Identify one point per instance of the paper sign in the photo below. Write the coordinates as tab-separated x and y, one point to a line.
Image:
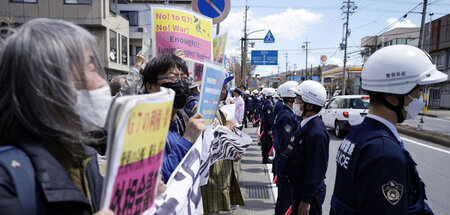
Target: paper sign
219	45
213	77
175	28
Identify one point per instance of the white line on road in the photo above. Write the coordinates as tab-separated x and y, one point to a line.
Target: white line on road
425	145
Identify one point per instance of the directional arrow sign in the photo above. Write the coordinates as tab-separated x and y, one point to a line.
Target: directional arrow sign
269	38
216	9
264	57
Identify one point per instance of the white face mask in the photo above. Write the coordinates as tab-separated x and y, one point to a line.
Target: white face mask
413	108
296	108
92	106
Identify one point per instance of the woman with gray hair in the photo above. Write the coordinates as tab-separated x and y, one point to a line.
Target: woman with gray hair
52	81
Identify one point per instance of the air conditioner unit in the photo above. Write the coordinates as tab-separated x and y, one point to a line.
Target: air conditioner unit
140	29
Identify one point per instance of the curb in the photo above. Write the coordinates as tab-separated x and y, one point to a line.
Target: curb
428	136
427	114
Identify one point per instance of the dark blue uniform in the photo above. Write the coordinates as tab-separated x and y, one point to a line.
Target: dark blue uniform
257	107
286	124
277	107
376	175
267	119
306	163
249	107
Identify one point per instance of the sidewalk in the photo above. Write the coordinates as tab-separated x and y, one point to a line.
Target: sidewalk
254	180
438	113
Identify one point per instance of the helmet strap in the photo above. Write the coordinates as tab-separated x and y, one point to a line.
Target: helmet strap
397	109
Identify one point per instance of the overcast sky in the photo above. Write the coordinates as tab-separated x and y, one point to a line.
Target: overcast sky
293	22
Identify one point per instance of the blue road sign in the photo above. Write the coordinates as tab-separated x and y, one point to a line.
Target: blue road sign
264	57
216	9
269	37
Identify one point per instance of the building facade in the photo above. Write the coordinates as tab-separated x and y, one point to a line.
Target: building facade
100	17
436	42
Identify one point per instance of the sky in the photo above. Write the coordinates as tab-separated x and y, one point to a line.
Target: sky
293	22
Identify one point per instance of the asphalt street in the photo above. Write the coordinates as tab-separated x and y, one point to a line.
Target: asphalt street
433	164
431	124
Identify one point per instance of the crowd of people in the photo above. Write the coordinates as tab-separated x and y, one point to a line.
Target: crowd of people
55	100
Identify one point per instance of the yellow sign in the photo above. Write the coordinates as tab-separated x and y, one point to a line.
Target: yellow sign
146	129
219	45
323	58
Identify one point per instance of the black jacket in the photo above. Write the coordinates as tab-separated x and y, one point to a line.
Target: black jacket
60	194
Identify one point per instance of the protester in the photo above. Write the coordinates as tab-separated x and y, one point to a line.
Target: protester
286	124
222	190
133	81
307	158
194	96
375	173
48	68
240	106
170	71
116	83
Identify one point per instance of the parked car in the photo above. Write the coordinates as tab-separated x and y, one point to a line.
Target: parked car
342	112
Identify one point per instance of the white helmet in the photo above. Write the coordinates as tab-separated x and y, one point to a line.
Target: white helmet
247	92
255	92
269	91
276	95
312	92
398	69
286	90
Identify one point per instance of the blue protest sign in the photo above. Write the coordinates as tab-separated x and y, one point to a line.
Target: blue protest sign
269	37
212	83
218	10
264	57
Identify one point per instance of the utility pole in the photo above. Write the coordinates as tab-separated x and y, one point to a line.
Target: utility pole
244	47
306	59
285	76
348	8
422	24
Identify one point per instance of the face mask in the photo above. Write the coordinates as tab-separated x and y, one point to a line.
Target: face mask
296	108
181	93
92	106
413	108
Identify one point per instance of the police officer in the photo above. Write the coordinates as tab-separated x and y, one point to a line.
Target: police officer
249	107
267	118
307	156
246	113
375	173
278	103
283	131
256	106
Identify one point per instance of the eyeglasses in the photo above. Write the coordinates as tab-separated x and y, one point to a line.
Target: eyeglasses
174	78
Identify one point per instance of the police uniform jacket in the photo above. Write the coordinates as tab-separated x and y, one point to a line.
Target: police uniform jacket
375	174
309	161
249	104
277	107
267	116
257	103
283	130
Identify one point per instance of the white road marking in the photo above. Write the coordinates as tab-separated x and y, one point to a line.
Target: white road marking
425	145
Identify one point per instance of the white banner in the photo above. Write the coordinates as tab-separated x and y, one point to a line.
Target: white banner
183	195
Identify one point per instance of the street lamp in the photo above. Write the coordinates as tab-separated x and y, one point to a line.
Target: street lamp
244	52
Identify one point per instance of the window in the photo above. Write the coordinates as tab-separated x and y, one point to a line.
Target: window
113	46
401	41
331	104
132	16
362	103
23	1
113	6
124	50
77	1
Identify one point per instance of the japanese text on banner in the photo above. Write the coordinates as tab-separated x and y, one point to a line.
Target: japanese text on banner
144	135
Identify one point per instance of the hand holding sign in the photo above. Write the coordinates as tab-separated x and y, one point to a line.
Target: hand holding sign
195	127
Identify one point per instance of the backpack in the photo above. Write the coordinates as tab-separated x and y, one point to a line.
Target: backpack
19	167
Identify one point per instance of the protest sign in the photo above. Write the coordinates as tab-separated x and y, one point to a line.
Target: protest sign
137	130
212	82
175	28
219	45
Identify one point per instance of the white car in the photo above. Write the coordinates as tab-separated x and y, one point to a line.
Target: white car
342	112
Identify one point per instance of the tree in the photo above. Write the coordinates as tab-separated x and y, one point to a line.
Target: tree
236	68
